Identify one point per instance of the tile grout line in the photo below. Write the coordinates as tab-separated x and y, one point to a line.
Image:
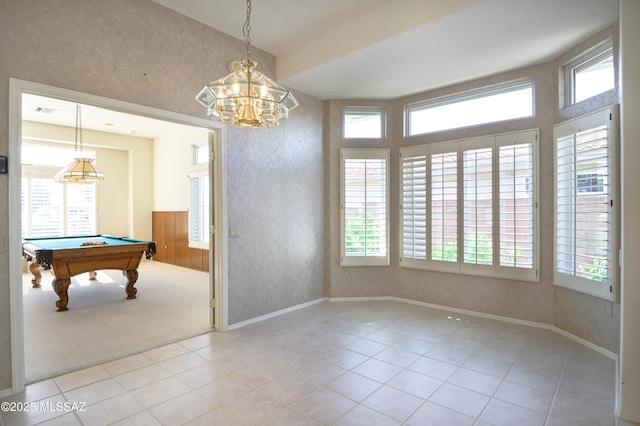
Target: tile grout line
243	344
557	390
513	364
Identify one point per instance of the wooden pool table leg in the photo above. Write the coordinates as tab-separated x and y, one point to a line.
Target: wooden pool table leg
34	268
61	285
132	277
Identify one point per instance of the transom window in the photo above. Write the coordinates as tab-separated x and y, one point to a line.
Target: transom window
363	123
589	75
486	105
470	206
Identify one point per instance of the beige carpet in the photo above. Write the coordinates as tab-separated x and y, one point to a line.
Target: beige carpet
102	325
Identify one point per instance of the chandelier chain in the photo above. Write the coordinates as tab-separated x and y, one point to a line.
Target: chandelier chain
246	29
78	128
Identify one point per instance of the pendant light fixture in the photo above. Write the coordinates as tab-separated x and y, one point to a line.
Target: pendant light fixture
82	169
246	97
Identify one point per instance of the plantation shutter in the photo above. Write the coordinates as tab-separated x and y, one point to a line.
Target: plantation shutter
44	201
51	209
80	209
586	240
365	206
414	207
478	204
24	208
444	208
199	210
516	204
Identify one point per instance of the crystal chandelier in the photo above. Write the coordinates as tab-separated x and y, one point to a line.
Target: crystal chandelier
246	97
82	169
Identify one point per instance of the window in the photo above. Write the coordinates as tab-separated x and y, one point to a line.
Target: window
363	122
469	206
444	206
590	182
199	198
517	204
38	155
478	203
199	210
414	193
364	207
200	154
51	209
590	74
586	209
487	105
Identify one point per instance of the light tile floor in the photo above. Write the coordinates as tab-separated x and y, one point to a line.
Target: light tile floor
341	363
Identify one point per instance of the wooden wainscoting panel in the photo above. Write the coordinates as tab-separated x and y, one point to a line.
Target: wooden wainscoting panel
163	233
171	234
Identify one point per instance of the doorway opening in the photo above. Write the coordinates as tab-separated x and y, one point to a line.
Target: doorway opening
125	156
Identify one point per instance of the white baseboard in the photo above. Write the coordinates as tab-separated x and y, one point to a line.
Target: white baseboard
273	314
627	418
553	328
581	341
5	392
550	327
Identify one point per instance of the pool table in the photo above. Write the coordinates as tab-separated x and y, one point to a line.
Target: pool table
69	256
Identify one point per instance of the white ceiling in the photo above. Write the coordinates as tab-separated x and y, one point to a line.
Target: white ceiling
372	49
385	49
47	110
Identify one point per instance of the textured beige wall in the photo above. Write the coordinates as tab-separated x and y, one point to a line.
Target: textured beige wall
355	281
591	318
139	52
275	187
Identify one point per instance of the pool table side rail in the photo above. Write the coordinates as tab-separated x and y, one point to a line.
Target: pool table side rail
46	257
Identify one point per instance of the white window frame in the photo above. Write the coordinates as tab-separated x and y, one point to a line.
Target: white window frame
364	111
570	69
458	147
608	289
468	97
364	259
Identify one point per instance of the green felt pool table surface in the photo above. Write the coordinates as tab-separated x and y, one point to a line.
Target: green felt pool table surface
75	242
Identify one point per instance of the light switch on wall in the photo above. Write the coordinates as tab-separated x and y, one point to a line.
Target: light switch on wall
234	232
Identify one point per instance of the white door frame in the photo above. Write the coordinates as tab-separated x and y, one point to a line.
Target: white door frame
218	253
218	257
